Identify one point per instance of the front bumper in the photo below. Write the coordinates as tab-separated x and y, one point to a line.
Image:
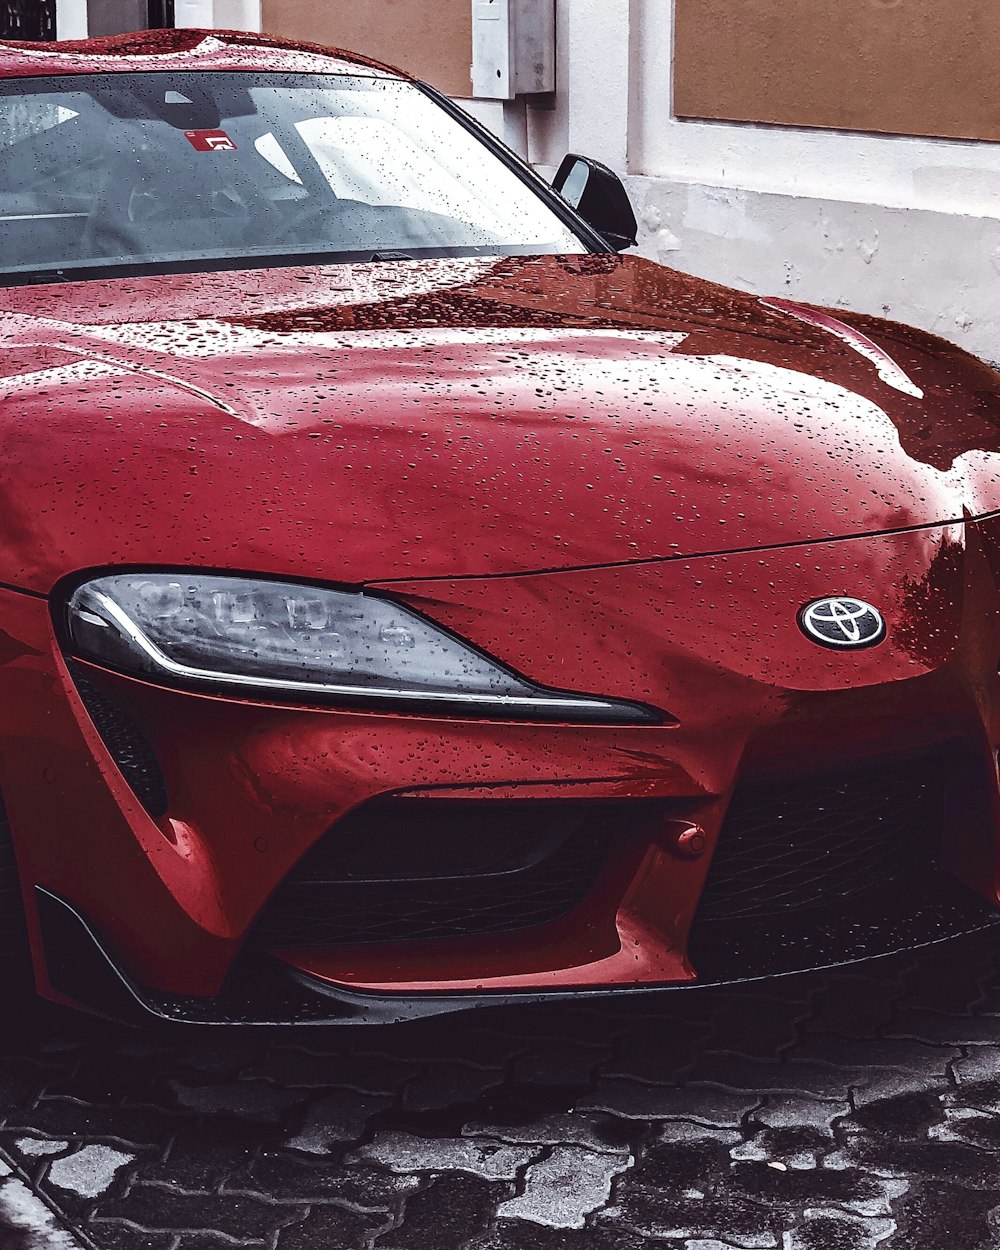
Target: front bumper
173	900
81	973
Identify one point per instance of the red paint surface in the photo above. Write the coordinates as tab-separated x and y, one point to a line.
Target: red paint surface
615	478
182	50
570	412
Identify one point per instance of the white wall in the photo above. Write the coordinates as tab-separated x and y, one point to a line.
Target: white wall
940	174
928	268
627	120
71	19
903	227
220	14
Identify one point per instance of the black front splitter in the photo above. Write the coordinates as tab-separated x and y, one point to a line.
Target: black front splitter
265	992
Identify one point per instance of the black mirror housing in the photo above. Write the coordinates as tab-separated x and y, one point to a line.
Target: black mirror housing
598	195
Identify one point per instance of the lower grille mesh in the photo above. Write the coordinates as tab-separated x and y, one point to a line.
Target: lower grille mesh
802	844
430	868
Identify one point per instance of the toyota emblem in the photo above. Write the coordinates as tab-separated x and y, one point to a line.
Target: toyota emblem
842	622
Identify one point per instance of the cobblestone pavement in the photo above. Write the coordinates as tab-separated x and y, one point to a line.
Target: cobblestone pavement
839	1111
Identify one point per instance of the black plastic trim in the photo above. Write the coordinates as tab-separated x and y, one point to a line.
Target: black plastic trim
126	743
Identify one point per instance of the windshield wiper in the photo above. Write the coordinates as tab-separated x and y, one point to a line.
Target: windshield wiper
28	277
101	270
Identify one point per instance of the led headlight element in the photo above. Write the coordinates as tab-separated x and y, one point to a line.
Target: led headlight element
276	638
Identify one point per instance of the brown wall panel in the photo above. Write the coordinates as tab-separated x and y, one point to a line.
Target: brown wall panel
917	67
431	40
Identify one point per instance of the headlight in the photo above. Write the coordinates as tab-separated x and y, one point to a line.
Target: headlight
266	637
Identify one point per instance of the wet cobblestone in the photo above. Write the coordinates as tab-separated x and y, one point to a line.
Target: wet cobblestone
849	1109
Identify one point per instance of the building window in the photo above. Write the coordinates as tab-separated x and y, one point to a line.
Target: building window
161	14
27	19
115	17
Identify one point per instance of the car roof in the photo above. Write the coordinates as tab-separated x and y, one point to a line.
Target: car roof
184	49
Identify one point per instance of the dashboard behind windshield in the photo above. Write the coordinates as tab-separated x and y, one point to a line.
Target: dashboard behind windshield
123	172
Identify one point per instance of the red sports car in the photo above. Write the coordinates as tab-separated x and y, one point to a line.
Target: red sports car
407	602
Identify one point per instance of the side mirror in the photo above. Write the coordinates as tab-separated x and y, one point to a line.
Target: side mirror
598	195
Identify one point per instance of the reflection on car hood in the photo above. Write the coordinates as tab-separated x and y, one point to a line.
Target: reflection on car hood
442	418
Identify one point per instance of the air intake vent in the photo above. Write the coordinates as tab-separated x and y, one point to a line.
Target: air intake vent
426	868
127	744
804	843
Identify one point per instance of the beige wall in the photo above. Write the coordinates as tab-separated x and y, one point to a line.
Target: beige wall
432	41
916	67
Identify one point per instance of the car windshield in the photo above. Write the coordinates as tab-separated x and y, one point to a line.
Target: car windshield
124	172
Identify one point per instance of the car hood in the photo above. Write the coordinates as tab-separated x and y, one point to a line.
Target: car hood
450	418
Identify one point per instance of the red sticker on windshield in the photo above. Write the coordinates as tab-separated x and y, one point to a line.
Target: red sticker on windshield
210	140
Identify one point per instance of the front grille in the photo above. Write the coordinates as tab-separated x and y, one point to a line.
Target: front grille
126	743
430	868
800	844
